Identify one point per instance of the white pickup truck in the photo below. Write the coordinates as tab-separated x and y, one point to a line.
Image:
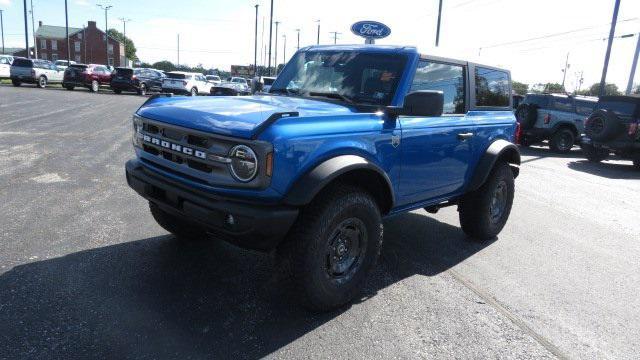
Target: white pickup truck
5	66
34	71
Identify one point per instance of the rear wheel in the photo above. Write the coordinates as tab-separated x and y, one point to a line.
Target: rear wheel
333	246
95	86
562	140
593	154
42	82
181	228
602	125
142	90
69	87
16	82
484	212
117	91
193	92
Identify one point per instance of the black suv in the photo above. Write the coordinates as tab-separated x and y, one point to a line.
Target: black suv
136	80
613	128
554	117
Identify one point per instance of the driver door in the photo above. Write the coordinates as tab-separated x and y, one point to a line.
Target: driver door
436	151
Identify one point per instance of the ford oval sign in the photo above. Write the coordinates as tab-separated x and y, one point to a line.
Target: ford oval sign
370	29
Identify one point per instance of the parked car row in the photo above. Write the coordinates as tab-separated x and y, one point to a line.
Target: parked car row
602	127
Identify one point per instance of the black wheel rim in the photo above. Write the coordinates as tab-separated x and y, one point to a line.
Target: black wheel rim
596	125
345	250
565	142
498	202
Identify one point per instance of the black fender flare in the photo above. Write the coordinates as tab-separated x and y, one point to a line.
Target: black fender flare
499	149
565	124
311	183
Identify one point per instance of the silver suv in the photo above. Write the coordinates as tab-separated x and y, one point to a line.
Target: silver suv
39	72
554	117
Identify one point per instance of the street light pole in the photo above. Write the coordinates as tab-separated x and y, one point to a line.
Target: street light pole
438	29
318	41
106	29
66	24
634	63
564	72
275	55
33	30
335	36
124	34
2	30
26	29
255	46
284	50
298	47
609	43
270	38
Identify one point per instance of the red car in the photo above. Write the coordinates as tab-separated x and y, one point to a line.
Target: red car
91	76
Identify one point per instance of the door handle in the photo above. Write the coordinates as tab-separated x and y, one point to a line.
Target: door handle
465	136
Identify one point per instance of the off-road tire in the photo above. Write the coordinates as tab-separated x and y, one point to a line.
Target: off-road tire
603	125
594	154
42	82
527	114
475	208
95	86
181	228
310	245
69	87
562	141
193	92
16	83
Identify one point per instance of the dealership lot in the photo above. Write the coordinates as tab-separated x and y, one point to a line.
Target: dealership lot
86	272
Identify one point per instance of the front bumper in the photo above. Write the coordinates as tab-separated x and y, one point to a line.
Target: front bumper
24	78
254	226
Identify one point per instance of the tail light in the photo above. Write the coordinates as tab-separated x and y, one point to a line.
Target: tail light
184	83
134	77
547	119
518	133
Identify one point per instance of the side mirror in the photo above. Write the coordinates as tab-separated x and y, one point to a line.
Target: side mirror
426	103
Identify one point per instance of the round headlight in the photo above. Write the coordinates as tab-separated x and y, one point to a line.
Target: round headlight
244	163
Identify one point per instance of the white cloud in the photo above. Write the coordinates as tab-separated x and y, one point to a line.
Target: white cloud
5	2
82	2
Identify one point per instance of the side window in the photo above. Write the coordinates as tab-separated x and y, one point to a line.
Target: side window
4	61
492	87
447	78
562	104
585	107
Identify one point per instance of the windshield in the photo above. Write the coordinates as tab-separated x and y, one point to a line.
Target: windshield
359	77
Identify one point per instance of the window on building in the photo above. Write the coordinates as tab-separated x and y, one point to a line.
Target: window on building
110	62
110	48
492	87
443	77
80	35
77	58
43	56
43	44
77	46
54	44
54	57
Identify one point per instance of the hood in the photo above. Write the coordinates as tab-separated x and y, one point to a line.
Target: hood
237	116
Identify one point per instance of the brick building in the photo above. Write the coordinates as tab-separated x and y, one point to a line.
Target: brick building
87	45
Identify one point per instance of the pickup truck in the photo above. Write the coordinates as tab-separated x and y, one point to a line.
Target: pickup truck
347	136
34	71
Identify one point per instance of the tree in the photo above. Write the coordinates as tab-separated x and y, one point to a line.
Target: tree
594	90
130	46
164	65
520	88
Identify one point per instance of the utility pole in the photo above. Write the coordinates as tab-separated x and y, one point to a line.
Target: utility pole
609	43
564	72
634	63
275	56
318	41
284	50
298	46
26	29
270	38
580	81
178	63
255	47
438	29
33	30
66	25
2	30
124	34
335	36
106	28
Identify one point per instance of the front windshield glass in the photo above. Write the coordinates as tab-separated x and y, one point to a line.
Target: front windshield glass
351	76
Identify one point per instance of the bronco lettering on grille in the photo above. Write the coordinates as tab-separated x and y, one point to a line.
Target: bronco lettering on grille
175	147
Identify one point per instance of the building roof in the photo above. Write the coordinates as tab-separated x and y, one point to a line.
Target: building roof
55	32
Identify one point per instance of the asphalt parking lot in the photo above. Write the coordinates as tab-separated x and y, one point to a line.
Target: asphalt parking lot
86	273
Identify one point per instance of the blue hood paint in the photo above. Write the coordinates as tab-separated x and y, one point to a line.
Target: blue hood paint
236	116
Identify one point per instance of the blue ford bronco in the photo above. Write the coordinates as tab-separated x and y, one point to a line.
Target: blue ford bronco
347	136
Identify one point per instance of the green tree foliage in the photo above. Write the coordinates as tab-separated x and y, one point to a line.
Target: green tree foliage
594	90
130	46
520	88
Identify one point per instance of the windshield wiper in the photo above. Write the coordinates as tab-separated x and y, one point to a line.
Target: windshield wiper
333	95
282	91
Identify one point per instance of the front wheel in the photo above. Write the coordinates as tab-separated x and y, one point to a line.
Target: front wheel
484	212
95	86
333	246
142	90
68	87
117	91
16	83
193	92
562	141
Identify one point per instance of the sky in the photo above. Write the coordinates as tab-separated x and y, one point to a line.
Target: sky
530	37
